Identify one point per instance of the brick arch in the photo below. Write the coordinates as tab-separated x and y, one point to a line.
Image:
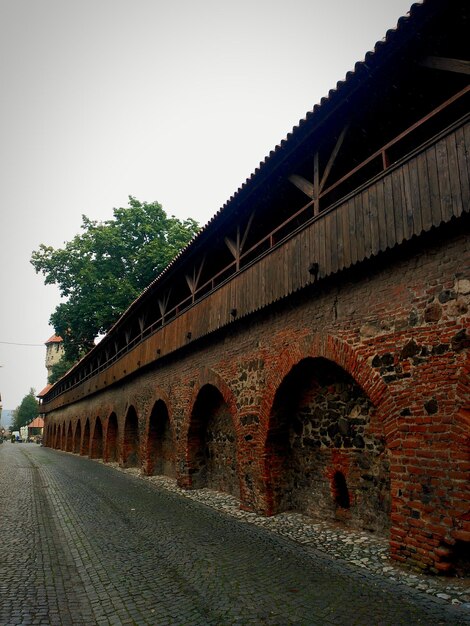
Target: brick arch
335	350
208	376
62	436
96	439
159	436
111	438
77	437
47	434
158	394
130	439
68	437
223	461
85	447
342	355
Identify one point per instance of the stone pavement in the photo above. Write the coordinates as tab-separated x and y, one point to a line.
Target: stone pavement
86	544
361	549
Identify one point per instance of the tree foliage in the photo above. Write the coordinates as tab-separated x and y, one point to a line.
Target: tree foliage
101	271
59	369
26	411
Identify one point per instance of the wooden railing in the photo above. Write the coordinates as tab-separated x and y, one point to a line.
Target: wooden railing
428	186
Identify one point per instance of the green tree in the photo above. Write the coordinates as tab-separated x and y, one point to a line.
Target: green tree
26	411
59	369
101	271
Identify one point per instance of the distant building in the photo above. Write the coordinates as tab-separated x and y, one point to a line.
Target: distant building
54	352
36	427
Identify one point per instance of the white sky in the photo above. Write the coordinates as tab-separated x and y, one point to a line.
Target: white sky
176	101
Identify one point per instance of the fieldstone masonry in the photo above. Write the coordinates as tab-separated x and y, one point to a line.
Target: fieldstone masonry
347	401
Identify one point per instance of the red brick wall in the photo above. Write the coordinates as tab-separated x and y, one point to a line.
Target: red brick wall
398	326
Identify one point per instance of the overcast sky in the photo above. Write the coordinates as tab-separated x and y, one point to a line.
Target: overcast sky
176	101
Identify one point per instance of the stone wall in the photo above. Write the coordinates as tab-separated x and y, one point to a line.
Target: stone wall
349	400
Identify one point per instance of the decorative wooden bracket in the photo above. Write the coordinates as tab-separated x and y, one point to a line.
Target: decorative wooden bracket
163	303
142	323
193	281
314	190
236	247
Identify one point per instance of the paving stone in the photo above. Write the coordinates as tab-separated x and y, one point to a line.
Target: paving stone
182	558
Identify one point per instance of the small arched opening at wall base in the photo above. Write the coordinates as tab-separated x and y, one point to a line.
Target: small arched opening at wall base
460	559
160	459
131	443
340	491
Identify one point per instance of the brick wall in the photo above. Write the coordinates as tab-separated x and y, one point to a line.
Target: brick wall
349	400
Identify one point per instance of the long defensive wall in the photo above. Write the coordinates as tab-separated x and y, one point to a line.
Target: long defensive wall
308	350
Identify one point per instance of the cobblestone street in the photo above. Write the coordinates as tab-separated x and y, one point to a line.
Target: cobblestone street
85	543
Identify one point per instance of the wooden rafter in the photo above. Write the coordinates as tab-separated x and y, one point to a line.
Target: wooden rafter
449	65
163	303
193	281
316	182
303	184
236	247
313	190
332	158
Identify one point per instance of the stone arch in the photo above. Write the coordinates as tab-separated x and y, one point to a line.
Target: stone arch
85	447
160	445
96	446
111	451
212	455
130	455
324	453
68	438
77	437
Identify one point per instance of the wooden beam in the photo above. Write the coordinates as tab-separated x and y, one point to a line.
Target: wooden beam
236	247
193	280
232	246
247	230
332	158
163	303
303	184
460	66
316	183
